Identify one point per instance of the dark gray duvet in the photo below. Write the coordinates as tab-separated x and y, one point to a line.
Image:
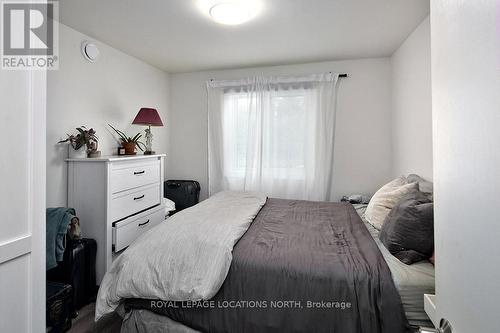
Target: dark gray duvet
301	267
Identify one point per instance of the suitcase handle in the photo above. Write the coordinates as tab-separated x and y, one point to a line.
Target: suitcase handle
137	198
174	184
139	172
141	224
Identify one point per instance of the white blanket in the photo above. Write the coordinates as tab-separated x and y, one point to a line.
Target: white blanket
186	258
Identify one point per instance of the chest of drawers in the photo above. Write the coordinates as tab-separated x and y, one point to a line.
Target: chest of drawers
117	199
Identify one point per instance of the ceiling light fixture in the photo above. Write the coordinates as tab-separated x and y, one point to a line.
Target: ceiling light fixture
232	12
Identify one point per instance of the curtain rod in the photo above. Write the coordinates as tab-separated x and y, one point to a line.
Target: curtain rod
340	75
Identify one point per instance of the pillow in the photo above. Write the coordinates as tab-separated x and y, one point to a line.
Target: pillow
423	185
408	231
385	198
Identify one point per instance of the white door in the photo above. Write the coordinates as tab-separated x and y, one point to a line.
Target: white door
22	201
465	37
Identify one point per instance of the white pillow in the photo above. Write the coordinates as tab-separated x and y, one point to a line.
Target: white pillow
385	199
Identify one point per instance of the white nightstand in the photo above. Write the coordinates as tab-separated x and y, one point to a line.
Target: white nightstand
117	199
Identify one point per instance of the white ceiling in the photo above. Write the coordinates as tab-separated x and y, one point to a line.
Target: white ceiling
177	36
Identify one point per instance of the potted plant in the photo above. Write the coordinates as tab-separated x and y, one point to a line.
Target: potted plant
84	143
129	143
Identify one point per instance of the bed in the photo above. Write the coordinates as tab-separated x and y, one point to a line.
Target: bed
297	266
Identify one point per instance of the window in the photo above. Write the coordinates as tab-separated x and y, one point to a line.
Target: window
272	134
282	138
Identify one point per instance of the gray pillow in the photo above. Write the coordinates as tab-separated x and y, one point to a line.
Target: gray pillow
424	185
408	231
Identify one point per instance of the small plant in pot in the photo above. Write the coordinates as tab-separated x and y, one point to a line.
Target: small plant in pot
129	143
84	143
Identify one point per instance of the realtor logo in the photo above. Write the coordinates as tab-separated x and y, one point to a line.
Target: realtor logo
29	35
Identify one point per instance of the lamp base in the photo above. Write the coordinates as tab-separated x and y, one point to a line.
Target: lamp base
149	152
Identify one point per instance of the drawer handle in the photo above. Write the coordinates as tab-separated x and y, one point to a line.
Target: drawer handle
138	198
141	224
139	172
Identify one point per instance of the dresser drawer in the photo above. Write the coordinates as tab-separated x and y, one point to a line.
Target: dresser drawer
128	175
133	201
126	231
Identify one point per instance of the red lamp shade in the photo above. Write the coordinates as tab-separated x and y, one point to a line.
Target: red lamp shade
148	116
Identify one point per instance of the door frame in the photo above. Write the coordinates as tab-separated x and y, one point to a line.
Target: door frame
38	93
32	243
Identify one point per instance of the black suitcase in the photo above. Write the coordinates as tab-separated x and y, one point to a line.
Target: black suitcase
59	307
78	270
185	193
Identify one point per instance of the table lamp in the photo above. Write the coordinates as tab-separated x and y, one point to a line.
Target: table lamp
149	117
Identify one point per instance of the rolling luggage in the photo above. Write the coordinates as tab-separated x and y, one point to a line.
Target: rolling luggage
185	193
59	307
78	270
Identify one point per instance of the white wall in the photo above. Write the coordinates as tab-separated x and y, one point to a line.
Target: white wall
363	138
111	90
411	104
466	118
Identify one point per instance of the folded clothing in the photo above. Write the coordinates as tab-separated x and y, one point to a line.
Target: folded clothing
356	199
169	206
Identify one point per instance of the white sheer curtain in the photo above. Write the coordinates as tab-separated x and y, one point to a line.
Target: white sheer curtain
273	134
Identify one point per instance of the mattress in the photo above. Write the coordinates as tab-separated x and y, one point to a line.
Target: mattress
412	281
